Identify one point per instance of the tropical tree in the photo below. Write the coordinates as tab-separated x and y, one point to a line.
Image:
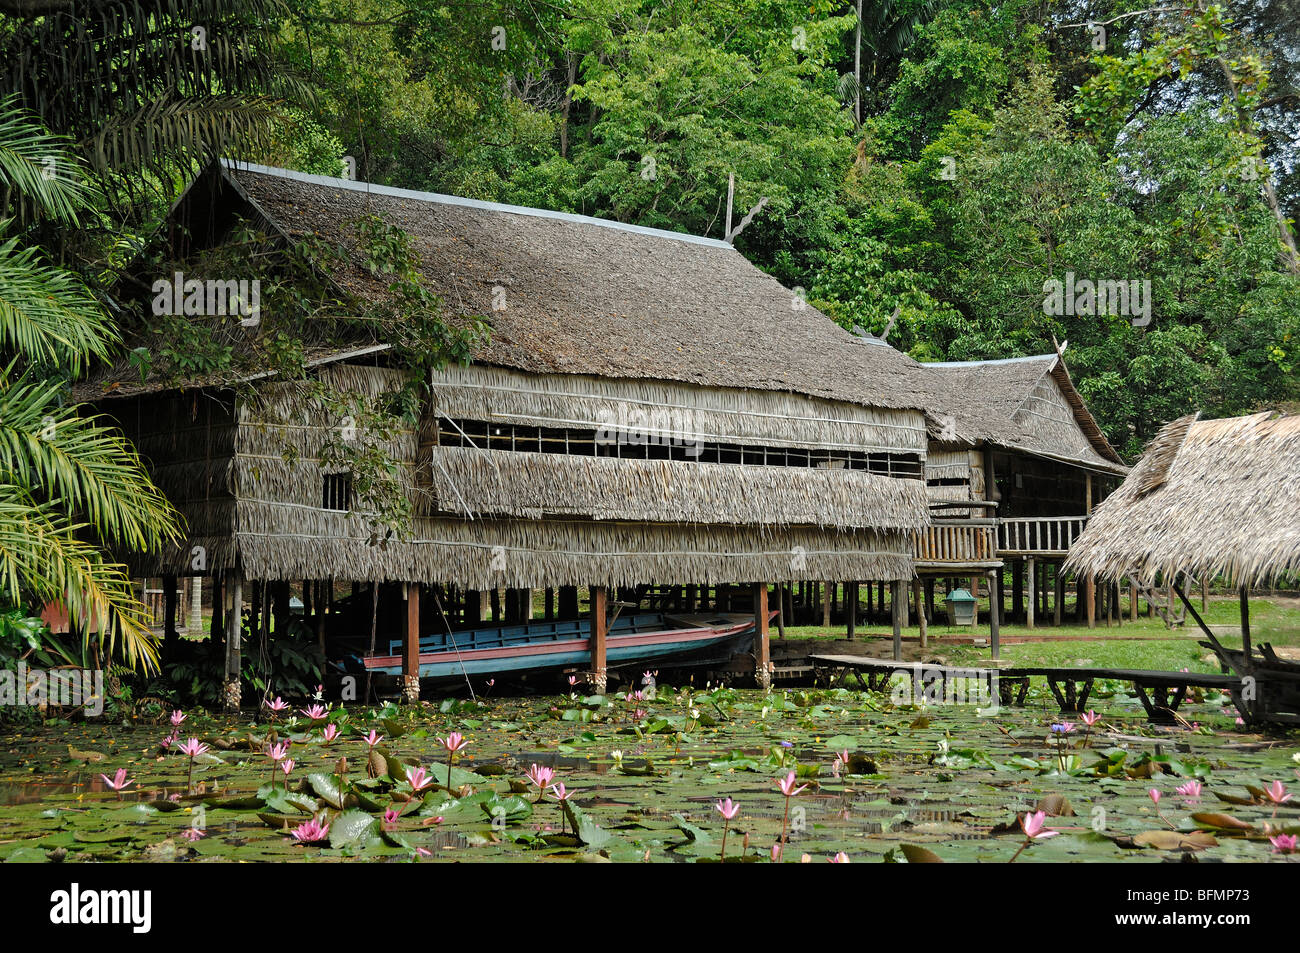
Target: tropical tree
70	485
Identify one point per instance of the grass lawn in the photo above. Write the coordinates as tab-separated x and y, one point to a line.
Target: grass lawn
1271	620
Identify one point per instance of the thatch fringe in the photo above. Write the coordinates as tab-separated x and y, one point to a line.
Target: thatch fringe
716	414
1211	498
480	554
498	482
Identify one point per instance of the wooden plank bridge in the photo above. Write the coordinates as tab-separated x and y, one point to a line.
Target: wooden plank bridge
1160	693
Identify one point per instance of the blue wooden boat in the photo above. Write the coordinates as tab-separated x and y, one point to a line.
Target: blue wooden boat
633	639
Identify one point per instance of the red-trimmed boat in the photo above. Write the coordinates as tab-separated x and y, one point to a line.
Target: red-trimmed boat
633	640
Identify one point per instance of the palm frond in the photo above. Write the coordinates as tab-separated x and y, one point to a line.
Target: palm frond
47	315
55	452
39	166
42	560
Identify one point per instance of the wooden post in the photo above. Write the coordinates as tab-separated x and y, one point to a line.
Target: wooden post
411	645
995	628
1132	601
780	610
1248	662
826	604
171	638
234	634
218	621
920	613
195	626
1090	599
599	633
851	608
1032	601
997	596
762	647
1205	593
896	614
1058	594
1017	589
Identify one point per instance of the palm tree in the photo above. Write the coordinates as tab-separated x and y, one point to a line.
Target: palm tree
70	485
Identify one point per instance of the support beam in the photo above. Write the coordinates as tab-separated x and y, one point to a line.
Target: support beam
195	626
896	614
234	636
762	647
411	646
1245	628
920	613
171	638
851	608
1058	594
1090	599
1031	602
599	635
826	604
995	627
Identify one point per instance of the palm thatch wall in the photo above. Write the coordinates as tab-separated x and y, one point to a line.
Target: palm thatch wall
717	414
485	518
1212	498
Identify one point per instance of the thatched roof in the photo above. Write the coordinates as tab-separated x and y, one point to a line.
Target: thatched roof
582	295
1028	404
1211	498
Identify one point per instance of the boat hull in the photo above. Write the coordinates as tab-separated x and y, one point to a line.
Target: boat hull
677	640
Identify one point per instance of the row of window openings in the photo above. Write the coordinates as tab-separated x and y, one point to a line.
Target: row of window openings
634	446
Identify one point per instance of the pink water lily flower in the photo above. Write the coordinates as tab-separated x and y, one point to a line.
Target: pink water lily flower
311	832
118	781
1190	790
330	733
573	680
278	705
787	785
287	766
315	712
278	752
1283	843
193	747
453	742
1032	825
540	776
1154	794
560	793
373	738
840	858
419	779
776	853
192	834
1276	792
728	809
1090	718
178	716
391	817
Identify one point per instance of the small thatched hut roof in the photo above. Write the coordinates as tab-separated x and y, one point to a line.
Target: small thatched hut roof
1210	498
1028	404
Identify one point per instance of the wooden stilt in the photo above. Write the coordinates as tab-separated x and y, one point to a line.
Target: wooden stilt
599	634
762	648
851	608
1031	602
218	631
995	627
1058	594
896	613
411	646
234	638
919	606
1090	599
826	604
171	638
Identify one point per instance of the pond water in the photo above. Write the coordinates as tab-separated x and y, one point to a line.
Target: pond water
945	782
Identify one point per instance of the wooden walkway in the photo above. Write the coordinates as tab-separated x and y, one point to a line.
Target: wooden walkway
1160	692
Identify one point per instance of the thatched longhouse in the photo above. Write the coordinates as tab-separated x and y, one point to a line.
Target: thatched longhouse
650	409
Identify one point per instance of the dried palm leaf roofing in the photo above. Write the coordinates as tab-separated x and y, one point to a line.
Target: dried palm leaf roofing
1210	497
592	296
